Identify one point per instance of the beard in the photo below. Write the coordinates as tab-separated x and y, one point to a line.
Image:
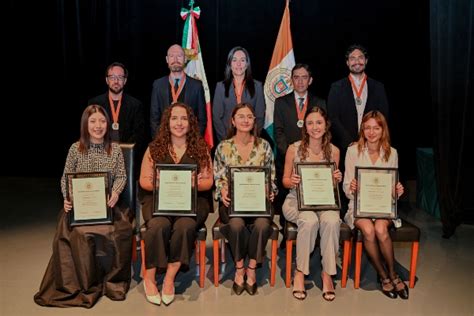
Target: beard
116	90
176	67
357	71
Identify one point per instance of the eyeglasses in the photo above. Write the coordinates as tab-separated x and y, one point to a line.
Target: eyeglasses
116	78
243	117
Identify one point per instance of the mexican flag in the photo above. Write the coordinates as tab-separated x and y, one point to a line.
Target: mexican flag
195	67
278	80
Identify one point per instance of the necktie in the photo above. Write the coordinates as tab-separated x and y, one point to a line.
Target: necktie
301	103
176	84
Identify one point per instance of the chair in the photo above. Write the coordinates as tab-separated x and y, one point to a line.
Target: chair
345	238
217	236
200	252
129	193
407	233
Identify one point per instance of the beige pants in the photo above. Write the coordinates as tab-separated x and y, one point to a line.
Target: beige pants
309	222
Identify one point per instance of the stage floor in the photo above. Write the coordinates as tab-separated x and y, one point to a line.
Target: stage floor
445	271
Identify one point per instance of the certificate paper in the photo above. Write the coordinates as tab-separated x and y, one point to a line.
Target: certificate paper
89	198
376	196
317	186
376	193
175	190
249	191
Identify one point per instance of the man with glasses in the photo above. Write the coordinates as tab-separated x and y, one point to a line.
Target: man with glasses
125	112
177	87
288	120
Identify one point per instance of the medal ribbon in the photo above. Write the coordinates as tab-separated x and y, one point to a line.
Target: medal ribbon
115	112
175	94
238	94
301	112
358	92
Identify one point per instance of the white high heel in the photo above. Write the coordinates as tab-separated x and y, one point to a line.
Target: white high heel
154	299
167	298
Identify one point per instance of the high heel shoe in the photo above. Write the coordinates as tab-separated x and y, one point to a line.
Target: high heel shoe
154	299
389	293
403	293
167	298
251	289
238	288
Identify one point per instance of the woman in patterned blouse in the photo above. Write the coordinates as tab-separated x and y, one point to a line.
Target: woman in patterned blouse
89	261
247	236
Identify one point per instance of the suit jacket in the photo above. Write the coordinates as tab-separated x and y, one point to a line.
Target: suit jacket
191	95
342	110
284	121
222	107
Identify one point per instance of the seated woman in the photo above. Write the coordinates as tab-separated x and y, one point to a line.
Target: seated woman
315	146
373	150
169	240
247	236
89	261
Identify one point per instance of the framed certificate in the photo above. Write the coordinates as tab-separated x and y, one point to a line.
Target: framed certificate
249	188
376	195
89	192
175	189
317	190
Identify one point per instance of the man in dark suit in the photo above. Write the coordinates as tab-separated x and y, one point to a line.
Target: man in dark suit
288	119
177	86
351	97
125	111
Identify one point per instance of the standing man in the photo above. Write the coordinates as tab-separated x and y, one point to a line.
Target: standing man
351	97
288	119
126	112
177	87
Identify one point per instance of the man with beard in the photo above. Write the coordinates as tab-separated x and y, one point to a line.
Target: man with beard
177	87
349	100
125	111
351	97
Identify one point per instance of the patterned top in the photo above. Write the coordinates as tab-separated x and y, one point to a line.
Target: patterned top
228	155
96	160
353	159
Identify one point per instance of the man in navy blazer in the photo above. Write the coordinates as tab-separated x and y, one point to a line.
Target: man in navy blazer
351	97
177	87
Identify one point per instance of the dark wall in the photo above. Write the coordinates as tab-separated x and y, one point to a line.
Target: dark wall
56	55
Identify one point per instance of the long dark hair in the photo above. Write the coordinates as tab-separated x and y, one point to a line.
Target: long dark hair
196	146
326	139
228	77
233	130
85	139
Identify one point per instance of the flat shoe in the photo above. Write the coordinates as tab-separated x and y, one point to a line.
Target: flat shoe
329	296
303	294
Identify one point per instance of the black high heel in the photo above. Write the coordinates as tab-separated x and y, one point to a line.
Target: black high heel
251	289
403	293
389	293
238	288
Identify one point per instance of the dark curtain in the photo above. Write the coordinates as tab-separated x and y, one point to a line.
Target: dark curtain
452	59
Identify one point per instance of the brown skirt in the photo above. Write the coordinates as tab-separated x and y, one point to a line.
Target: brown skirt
88	262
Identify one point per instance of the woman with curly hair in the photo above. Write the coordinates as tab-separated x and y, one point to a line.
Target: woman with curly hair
315	146
169	240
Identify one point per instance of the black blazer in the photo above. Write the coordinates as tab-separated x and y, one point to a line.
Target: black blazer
191	95
284	121
342	109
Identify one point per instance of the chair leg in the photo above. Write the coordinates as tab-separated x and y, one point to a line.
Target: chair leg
414	258
223	250
273	264
215	254
345	262
134	248
196	250
289	258
202	263
142	244
358	258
